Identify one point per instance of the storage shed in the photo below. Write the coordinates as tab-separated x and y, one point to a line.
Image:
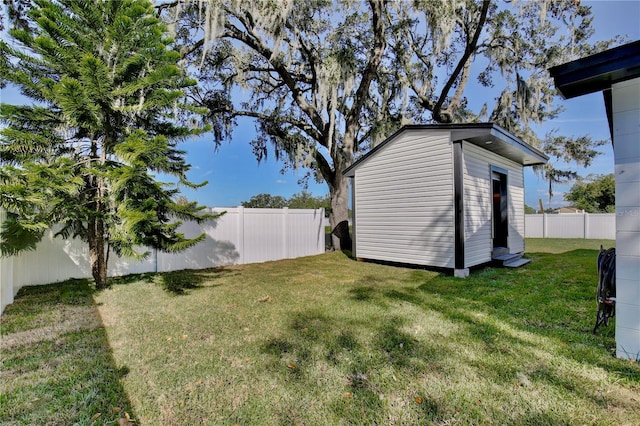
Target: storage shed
444	196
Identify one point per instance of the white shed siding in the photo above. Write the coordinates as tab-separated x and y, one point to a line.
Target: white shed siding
626	137
404	201
478	203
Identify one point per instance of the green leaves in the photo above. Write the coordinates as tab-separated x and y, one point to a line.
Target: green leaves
110	111
595	194
78	109
20	235
94	76
36	196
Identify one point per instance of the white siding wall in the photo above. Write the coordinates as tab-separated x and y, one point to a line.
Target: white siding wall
626	137
404	201
478	203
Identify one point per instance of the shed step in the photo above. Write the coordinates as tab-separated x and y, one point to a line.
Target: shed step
516	263
498	251
507	257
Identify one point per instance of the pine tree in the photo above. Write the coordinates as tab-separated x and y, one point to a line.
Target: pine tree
106	117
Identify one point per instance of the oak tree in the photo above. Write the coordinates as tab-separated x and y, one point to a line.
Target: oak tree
326	80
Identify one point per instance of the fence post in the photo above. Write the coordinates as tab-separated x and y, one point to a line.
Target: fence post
544	225
321	237
285	224
585	216
240	234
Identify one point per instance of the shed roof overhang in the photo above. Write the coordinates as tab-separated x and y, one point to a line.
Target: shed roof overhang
488	136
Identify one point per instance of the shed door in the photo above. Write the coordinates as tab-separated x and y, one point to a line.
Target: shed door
500	208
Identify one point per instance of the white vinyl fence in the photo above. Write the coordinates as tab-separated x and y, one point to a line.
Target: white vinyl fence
571	225
239	236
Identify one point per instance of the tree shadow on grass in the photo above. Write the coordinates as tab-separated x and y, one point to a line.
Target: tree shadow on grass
58	366
177	282
510	311
315	338
147	277
182	282
505	314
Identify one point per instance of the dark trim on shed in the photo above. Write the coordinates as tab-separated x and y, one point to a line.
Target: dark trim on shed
498	169
458	202
353	217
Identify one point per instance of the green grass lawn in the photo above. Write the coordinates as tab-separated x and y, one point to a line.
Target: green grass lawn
321	340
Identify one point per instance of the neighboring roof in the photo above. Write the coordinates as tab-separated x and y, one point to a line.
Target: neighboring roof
597	72
568	209
485	135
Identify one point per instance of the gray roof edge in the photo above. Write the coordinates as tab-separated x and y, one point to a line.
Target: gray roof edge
491	128
522	144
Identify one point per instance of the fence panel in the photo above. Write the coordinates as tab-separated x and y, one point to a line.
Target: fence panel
264	235
601	226
571	225
220	246
567	225
239	236
6	274
534	225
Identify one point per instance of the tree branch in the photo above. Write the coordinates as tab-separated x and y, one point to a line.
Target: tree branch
164	6
368	74
259	47
197	45
468	51
303	126
325	168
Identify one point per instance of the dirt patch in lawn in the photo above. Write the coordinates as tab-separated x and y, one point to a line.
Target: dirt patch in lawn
75	318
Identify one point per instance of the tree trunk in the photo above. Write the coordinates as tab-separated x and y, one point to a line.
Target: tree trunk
96	225
339	217
97	258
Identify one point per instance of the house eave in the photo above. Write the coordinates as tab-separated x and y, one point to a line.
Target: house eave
597	72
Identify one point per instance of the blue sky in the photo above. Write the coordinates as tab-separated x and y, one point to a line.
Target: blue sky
586	114
234	175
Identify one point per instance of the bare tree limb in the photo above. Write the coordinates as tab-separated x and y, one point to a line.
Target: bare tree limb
259	47
468	52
